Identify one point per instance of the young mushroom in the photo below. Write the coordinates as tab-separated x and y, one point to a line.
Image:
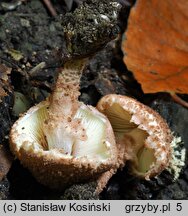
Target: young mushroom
143	137
61	140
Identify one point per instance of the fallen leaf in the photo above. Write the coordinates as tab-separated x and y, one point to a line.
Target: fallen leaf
15	54
2	93
155	45
4	80
5	162
6	102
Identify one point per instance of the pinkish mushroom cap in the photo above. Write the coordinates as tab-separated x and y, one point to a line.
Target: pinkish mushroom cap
142	136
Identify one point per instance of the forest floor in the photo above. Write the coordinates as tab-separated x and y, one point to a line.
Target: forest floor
29	38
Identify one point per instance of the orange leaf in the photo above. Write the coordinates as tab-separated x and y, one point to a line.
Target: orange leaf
156	45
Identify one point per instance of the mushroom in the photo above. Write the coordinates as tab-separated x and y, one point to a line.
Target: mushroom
61	140
143	137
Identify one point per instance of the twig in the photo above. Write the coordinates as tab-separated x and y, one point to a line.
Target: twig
34	71
50	7
178	100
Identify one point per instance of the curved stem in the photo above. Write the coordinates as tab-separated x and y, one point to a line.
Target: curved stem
50	7
178	100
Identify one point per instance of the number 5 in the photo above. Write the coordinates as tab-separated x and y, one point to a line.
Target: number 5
179	206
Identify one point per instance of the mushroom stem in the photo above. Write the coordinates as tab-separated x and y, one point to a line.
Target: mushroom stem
63	106
64	99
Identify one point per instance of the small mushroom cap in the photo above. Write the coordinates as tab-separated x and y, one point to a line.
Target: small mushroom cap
142	136
52	167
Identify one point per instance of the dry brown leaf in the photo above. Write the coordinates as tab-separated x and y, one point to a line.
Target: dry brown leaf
4	80
156	45
5	162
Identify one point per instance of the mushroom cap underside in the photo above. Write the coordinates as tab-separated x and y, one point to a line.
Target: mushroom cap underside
52	167
142	135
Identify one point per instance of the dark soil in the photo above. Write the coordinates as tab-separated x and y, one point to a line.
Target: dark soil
35	37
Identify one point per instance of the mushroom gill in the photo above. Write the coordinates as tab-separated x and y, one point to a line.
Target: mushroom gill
142	136
30	129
